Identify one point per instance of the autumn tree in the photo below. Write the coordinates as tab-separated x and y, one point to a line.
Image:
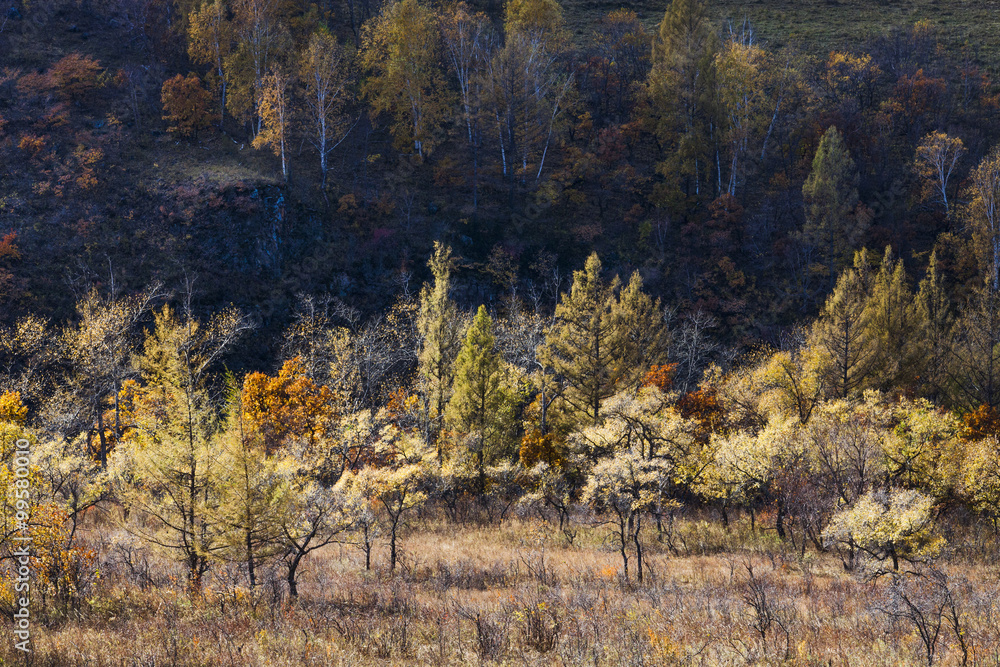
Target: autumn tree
315	517
170	469
527	89
98	352
210	42
440	333
396	489
262	40
974	352
934	318
255	491
480	404
76	77
937	156
623	47
288	407
894	525
681	94
324	70
186	105
401	49
831	197
641	335
532	16
274	110
580	346
625	486
841	335
983	213
890	319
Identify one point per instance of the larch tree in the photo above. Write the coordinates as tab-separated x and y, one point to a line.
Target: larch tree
255	491
480	401
440	338
170	467
831	197
641	336
934	320
891	320
840	336
401	50
325	73
580	345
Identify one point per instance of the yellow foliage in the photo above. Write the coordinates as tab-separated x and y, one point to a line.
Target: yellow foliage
12	410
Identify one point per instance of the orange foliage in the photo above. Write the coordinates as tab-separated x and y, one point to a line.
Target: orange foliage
76	77
8	248
537	447
62	569
704	407
980	423
660	376
289	406
186	105
31	144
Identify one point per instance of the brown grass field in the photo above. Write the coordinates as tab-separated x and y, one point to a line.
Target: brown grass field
520	594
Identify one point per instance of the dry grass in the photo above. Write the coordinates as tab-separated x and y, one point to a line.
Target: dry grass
519	594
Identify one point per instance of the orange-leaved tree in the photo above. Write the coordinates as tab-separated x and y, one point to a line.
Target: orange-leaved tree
288	406
186	105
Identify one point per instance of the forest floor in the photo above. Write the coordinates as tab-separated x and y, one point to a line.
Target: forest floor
520	594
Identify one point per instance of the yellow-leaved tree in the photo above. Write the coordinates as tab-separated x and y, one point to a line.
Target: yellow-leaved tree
169	469
401	51
325	73
274	112
887	525
210	42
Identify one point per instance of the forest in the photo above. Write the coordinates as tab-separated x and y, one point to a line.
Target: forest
409	332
